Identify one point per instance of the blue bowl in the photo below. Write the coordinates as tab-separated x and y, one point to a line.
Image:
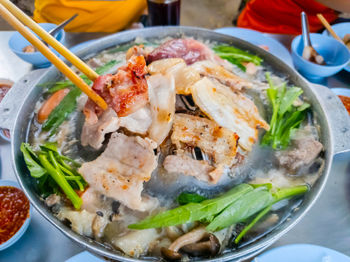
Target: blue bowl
335	54
25	225
341	30
17	42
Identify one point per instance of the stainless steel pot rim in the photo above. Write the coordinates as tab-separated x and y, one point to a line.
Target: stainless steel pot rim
245	252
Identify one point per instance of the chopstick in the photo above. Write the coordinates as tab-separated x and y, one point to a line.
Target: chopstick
328	27
60	65
49	39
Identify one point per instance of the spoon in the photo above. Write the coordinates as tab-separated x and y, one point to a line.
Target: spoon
55	30
309	53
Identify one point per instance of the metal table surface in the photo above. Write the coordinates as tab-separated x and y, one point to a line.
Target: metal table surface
326	224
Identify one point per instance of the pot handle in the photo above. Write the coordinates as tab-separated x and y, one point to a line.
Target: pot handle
15	97
339	119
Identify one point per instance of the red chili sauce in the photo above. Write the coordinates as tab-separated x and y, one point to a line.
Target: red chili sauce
14	210
346	102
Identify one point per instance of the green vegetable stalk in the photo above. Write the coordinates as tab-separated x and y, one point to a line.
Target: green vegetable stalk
61	181
236	56
237	205
69	102
278	195
193	211
52	173
285	116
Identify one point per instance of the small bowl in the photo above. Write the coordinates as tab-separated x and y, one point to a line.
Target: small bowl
17	42
335	54
341	29
26	223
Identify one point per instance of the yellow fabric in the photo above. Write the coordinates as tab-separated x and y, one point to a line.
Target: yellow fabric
94	16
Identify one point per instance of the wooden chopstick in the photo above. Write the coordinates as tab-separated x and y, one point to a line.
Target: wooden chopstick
328	27
15	23
45	36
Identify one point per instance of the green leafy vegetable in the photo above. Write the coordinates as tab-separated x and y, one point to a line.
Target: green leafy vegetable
193	211
185	198
31	161
237	205
243	208
252	223
69	102
236	56
52	173
62	111
278	195
285	116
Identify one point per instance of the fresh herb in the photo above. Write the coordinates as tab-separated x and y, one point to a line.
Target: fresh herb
193	211
285	116
235	206
53	173
236	56
185	198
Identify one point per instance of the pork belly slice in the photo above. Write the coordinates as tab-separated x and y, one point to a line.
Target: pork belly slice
94	131
125	92
224	76
217	142
188	49
139	121
185	76
188	166
162	97
119	172
229	109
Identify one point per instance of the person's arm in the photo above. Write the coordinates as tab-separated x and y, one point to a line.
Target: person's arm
338	5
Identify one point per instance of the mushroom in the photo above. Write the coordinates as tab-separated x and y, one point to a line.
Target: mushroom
208	247
189	243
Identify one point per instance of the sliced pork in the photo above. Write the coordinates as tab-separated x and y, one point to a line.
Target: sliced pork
93	133
303	152
188	166
139	121
125	92
185	76
229	109
224	76
188	49
119	172
218	142
162	100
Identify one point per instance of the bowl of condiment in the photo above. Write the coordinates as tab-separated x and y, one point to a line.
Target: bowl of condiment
24	50
336	56
5	85
15	213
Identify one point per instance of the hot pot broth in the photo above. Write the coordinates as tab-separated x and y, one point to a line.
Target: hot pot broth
106	219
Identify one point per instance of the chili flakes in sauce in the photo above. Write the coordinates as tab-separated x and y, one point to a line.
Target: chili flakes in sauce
14	210
346	101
